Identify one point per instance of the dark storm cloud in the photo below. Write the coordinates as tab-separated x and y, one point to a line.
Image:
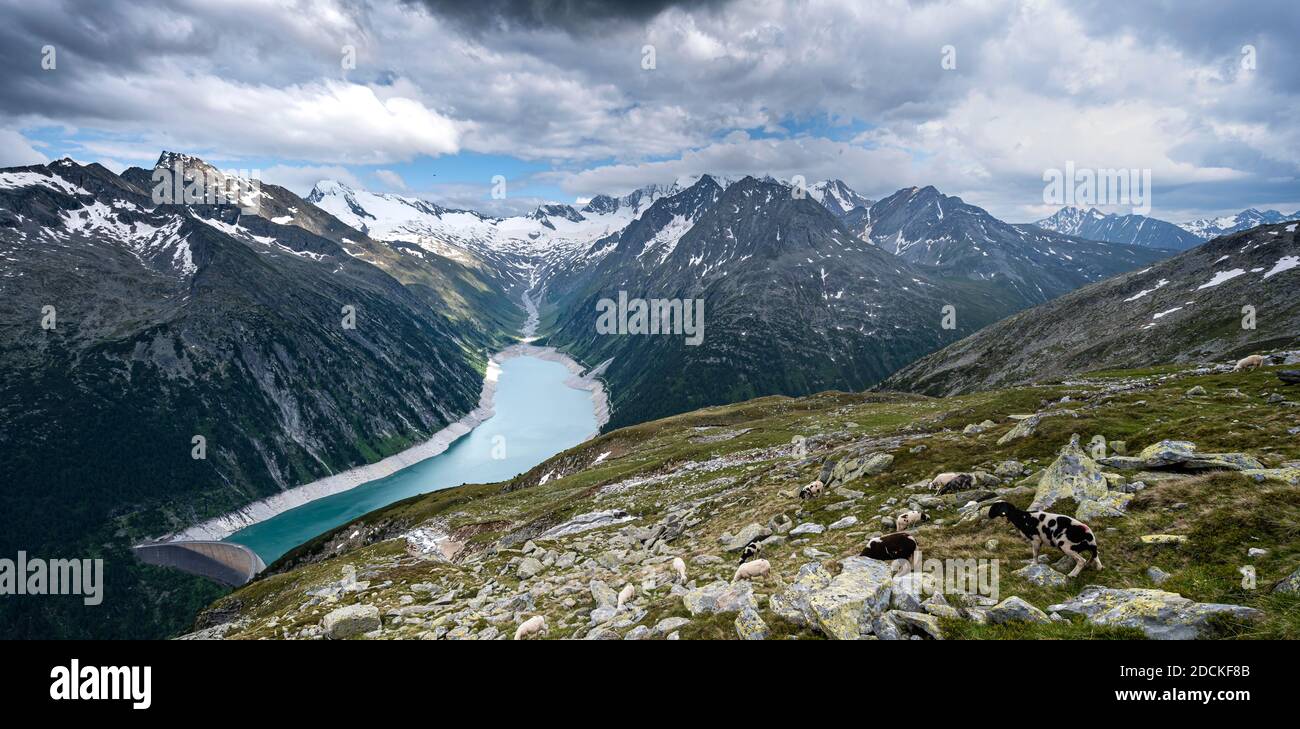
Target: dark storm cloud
574	16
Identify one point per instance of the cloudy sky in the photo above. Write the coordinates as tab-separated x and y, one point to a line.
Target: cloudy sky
567	99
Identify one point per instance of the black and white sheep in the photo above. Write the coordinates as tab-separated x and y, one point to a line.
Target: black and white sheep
751	550
890	547
812	490
947	483
1044	528
906	519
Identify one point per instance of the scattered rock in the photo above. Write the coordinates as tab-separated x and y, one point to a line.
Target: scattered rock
851	469
350	621
749	626
528	568
847	607
1161	615
587	522
1009	469
603	594
1290	583
1256	552
807	528
1157	575
1015	609
1182	454
1073	475
745	536
1196	391
1023	429
720	597
1163	539
792	604
844	523
1042	575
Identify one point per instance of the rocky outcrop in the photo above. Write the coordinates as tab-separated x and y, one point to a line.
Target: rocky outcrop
720	597
848	470
350	621
1074	475
846	608
1161	615
1182	455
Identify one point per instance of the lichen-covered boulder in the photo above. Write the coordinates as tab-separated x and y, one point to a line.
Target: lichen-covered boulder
1042	575
350	621
848	470
1287	475
846	608
603	594
1161	615
915	623
749	626
1023	429
745	536
792	603
1015	609
720	597
1290	583
1072	476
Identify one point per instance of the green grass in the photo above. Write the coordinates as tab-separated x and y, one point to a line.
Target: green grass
1223	514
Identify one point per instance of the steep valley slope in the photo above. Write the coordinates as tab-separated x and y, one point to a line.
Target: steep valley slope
1230	297
563	539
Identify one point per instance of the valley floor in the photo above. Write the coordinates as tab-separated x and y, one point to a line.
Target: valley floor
565	538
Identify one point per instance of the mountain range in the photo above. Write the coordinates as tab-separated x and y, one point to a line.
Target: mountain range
1228	298
1147	231
165	363
172	321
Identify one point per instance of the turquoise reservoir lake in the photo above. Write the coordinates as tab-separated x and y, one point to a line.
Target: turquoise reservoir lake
535	416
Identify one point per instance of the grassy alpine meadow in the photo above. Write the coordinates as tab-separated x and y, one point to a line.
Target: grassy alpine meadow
564	539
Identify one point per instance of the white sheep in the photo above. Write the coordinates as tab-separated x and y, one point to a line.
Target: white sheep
679	566
625	595
1252	362
535	625
752	569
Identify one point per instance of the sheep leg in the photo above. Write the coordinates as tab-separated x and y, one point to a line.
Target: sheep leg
916	560
1033	544
1079	562
1097	560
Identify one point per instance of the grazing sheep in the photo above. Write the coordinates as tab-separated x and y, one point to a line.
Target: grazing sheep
752	549
532	626
890	547
947	483
1252	362
952	482
812	490
625	595
679	566
1065	533
906	519
750	570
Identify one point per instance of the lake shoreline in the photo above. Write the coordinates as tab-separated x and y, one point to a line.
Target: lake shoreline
223	526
